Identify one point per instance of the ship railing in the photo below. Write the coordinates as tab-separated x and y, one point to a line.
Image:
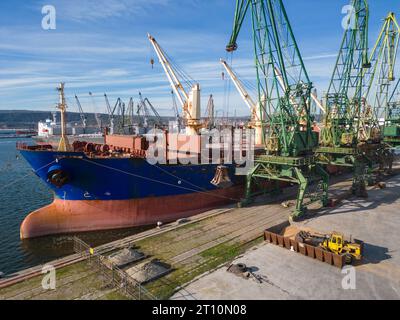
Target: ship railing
111	273
25	146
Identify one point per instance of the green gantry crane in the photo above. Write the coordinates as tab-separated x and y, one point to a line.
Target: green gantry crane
391	131
381	76
284	95
392	119
351	134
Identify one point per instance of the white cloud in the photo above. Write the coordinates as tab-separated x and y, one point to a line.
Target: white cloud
91	10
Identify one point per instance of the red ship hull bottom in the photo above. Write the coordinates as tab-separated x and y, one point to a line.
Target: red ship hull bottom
68	216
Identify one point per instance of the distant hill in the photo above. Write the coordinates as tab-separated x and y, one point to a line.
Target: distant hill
28	119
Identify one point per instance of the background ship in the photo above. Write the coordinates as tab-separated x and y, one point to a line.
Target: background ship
49	132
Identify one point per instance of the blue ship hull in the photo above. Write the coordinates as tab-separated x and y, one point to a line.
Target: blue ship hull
107	193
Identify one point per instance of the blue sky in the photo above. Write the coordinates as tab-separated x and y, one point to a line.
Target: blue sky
101	46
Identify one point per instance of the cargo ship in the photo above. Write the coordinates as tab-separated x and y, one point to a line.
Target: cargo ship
97	192
115	185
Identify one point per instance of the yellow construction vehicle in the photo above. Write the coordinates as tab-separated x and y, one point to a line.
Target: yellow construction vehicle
334	242
337	244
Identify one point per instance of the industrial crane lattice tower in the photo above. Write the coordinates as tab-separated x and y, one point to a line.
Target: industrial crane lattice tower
284	99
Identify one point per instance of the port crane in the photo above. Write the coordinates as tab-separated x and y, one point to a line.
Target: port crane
255	110
380	77
82	114
130	115
287	126
144	108
96	114
343	106
387	101
111	112
392	118
121	111
190	102
351	135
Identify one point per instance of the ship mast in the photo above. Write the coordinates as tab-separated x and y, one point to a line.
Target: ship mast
63	145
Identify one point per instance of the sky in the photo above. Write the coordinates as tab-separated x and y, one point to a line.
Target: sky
101	46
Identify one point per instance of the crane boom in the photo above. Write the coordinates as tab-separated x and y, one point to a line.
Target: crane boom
383	61
81	113
96	114
145	104
169	71
108	105
190	102
242	91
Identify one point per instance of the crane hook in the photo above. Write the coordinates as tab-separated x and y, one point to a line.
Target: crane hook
152	63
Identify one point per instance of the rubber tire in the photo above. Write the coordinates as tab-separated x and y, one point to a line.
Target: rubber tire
348	259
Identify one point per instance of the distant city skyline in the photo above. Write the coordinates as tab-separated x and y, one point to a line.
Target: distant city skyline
102	47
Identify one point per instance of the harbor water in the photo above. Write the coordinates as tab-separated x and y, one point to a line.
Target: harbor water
21	192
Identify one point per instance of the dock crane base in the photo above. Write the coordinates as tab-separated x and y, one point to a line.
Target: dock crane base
304	171
362	159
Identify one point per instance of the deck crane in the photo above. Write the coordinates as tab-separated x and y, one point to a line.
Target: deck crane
190	102
256	111
350	136
288	138
82	114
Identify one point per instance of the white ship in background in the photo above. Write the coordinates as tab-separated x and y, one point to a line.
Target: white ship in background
49	132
